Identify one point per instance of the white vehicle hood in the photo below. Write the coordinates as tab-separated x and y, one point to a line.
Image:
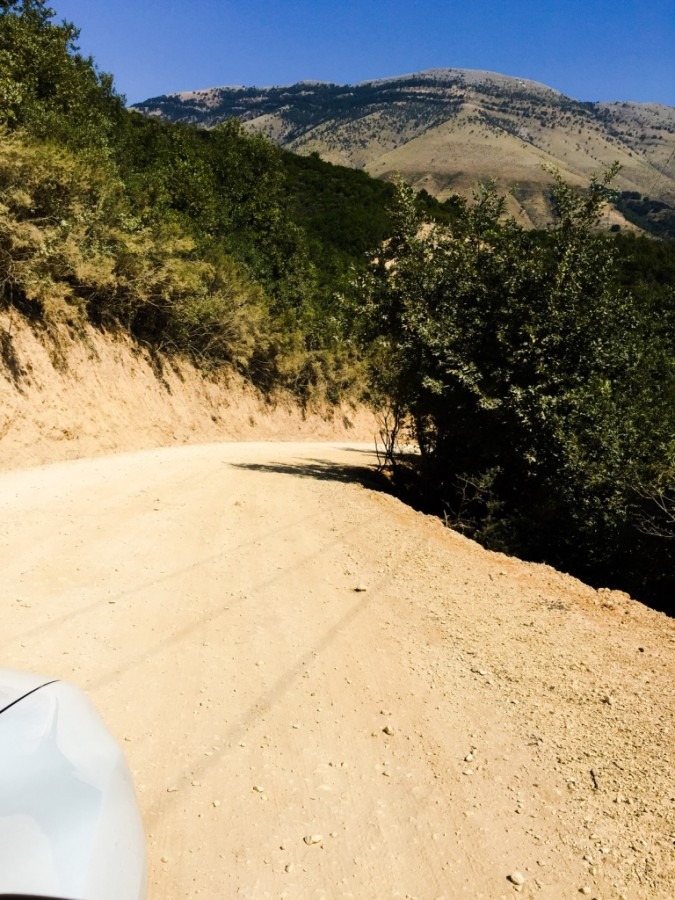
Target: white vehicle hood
15	685
69	823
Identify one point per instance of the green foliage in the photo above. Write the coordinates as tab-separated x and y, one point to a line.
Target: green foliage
192	240
344	210
50	207
72	250
46	87
535	387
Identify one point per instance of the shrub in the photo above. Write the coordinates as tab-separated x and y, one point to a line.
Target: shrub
70	248
533	383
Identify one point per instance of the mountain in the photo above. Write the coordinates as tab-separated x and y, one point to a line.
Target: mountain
445	130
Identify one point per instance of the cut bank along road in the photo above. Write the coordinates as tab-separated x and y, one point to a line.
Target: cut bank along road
323	694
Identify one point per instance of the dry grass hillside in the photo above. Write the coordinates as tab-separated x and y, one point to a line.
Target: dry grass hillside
447	129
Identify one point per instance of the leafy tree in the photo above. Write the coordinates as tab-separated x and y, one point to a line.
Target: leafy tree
46	86
528	375
72	250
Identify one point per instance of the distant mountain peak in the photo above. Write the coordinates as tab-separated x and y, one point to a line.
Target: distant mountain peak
468	77
446	129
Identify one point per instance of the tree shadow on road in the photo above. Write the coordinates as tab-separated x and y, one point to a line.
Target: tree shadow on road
324	470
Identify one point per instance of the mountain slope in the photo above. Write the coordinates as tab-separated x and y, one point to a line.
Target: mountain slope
447	129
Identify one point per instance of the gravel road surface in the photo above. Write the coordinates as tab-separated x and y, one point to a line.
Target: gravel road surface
323	694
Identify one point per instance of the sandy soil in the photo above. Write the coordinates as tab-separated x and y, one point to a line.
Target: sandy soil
66	396
323	694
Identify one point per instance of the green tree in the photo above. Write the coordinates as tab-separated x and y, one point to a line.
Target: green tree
530	378
71	249
46	86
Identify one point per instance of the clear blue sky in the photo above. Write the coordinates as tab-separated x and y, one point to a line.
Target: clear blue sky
588	49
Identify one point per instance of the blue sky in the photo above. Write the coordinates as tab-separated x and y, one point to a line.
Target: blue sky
588	49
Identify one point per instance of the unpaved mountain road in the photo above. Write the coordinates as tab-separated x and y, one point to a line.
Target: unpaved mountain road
323	694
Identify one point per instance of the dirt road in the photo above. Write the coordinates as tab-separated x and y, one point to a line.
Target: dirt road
323	694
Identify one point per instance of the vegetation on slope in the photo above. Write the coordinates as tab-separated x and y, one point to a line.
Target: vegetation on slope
652	216
540	392
536	370
421	101
210	243
449	128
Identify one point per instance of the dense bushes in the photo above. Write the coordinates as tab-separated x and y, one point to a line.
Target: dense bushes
537	388
194	241
46	86
72	250
214	243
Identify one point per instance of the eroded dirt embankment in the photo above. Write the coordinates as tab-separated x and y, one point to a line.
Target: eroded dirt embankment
63	397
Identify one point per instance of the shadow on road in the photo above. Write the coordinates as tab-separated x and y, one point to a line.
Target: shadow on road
324	470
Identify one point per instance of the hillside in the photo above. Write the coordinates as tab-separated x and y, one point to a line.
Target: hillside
534	369
446	129
66	395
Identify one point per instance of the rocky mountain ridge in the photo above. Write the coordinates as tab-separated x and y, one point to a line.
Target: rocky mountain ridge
445	130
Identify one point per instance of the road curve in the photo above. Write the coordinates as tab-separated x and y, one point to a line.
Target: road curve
323	694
